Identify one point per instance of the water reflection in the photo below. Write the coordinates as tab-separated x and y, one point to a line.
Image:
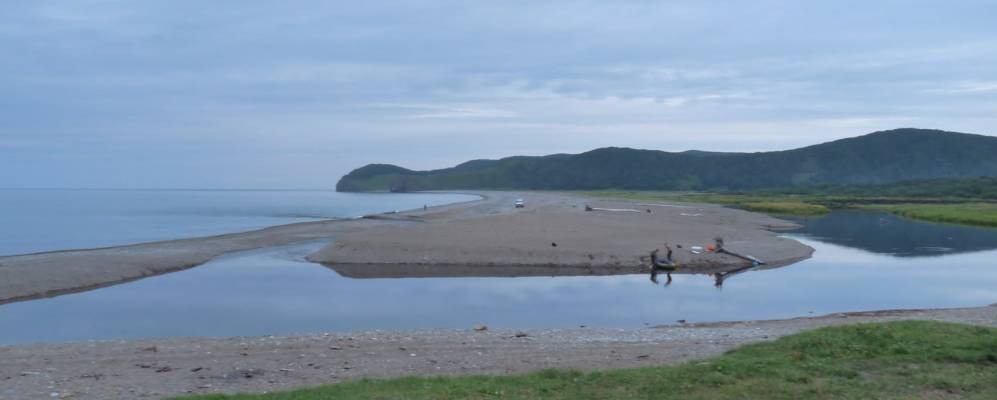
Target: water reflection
886	233
719	274
273	291
381	271
720	277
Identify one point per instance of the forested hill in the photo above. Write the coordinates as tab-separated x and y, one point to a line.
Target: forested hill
879	157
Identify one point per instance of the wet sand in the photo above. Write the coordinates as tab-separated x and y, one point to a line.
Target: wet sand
169	367
489	232
556	232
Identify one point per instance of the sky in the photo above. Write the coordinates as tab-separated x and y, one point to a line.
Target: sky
294	94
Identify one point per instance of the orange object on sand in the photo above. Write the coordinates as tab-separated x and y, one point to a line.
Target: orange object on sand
710	248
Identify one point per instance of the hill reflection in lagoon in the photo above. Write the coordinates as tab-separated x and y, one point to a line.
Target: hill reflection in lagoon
273	291
885	233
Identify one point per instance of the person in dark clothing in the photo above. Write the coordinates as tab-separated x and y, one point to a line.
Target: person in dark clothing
668	265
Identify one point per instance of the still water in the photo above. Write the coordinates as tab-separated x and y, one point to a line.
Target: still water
57	219
864	261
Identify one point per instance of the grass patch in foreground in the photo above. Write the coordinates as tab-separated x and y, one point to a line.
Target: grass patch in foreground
897	360
982	214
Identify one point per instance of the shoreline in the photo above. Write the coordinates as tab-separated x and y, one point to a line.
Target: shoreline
239	232
570	231
155	368
159	367
53	273
49	274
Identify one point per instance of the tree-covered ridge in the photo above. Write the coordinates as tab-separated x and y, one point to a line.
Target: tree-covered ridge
877	158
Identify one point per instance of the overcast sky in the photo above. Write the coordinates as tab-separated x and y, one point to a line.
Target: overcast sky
294	94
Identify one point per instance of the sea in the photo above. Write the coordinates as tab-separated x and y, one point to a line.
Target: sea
38	220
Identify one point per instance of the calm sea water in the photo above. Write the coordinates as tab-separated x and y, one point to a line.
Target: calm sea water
869	264
44	220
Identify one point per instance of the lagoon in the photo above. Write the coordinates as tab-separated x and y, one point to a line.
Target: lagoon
867	265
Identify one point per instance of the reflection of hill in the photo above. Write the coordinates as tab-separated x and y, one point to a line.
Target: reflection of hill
888	234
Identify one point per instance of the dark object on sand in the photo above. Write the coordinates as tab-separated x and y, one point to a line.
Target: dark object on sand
552	244
666	264
720	249
753	260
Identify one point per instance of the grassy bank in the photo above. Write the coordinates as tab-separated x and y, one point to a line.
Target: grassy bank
775	204
898	360
967	211
983	214
786	207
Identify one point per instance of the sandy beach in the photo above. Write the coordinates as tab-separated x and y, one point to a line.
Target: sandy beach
552	232
556	232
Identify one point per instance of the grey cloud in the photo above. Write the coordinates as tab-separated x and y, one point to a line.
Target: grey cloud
296	93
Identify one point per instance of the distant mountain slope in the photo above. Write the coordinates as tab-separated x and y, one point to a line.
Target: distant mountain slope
880	157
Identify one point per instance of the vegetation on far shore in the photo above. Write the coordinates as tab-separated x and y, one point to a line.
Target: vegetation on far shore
790	205
952	172
786	207
963	201
877	158
982	214
895	360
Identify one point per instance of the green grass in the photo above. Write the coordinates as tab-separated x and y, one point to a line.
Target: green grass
786	207
952	210
897	360
776	204
982	214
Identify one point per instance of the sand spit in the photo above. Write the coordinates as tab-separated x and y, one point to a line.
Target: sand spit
556	232
169	367
49	274
32	276
553	231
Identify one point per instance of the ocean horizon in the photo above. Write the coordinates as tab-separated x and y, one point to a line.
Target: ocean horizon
51	219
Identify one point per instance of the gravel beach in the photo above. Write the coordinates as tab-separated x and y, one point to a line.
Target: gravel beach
167	367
